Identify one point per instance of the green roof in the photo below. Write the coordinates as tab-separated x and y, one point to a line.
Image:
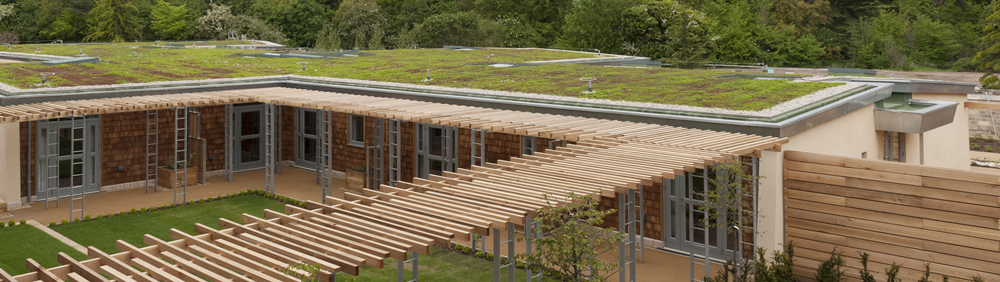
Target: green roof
450	68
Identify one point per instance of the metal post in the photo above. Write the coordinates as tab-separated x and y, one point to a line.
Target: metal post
180	153
77	160
278	123
152	147
230	127
496	255
394	151
324	161
269	161
52	159
320	121
30	133
622	227
631	235
641	220
400	265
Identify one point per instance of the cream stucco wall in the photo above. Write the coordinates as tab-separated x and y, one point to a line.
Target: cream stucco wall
10	164
849	135
945	146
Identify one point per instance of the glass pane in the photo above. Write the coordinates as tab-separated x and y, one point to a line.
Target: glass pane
250	150
358	124
43	141
250	123
309	122
436	167
436	142
65	175
421	169
65	137
309	149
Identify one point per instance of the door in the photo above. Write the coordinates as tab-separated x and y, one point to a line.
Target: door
680	217
436	149
60	171
306	138
249	138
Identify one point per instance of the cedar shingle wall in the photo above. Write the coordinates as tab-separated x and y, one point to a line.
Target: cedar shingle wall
653	207
25	158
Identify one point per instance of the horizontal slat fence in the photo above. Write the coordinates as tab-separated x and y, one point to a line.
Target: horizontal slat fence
903	213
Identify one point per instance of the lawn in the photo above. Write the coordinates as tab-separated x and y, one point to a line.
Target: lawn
131	228
448	68
25	241
440	265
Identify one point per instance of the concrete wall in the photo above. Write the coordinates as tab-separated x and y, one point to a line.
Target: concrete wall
10	166
946	146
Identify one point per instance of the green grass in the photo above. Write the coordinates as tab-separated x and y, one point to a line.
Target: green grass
448	68
103	233
440	265
25	241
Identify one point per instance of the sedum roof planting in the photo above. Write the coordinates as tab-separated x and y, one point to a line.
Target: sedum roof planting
449	68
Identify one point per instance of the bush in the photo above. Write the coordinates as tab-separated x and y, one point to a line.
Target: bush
64	222
989	148
24	221
52	223
975	147
479	254
489	256
891	272
2	224
866	275
86	218
132	211
10	223
830	270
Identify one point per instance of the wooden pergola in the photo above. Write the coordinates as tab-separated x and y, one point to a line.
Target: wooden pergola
611	158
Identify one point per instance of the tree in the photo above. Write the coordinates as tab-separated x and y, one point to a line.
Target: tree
115	21
301	22
328	38
462	28
666	29
595	24
989	58
362	24
170	22
218	22
574	243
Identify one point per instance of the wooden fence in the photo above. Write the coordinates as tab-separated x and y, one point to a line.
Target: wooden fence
898	213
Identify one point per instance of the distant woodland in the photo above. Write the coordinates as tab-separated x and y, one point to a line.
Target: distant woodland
896	34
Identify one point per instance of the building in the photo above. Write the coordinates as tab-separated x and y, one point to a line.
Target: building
68	142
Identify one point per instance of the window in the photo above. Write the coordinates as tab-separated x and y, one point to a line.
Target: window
894	146
528	145
357	131
65	165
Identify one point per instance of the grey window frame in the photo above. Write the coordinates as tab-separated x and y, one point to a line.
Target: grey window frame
529	145
353	130
92	155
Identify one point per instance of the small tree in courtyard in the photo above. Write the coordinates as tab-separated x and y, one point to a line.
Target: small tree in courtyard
573	243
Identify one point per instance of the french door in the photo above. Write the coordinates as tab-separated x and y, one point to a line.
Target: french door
249	138
436	148
684	225
67	166
306	138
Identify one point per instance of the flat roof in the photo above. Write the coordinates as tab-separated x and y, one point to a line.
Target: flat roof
547	76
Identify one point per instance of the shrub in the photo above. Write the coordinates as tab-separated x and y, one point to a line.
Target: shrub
76	220
489	256
891	272
86	218
989	148
2	224
830	270
975	147
24	221
64	222
866	276
121	213
132	211
479	254
10	223
52	223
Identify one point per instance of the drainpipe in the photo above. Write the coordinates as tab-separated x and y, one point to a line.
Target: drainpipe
921	148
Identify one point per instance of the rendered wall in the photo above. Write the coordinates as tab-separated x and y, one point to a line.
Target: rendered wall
946	146
10	165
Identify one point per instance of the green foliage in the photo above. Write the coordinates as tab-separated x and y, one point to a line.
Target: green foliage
926	276
86	218
780	268
866	275
115	21
595	24
892	272
171	22
729	182
2	224
66	27
311	270
328	38
831	270
462	28
52	223
218	22
666	29
64	222
573	244
362	24
23	221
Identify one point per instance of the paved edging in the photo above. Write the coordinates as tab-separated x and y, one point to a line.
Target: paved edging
58	236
